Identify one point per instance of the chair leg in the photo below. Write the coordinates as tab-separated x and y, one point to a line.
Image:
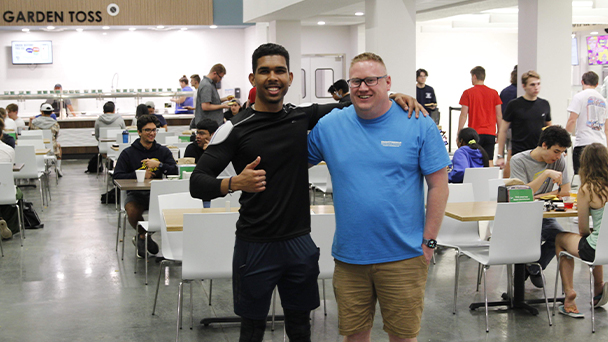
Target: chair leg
210	289
324	299
478	277
124	233
160	272
485	296
98	161
179	308
456	275
2	248
591	292
510	283
559	258
191	307
542	274
21	227
118	229
434	261
41	194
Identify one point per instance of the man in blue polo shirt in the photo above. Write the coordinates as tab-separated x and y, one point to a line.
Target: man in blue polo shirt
382	246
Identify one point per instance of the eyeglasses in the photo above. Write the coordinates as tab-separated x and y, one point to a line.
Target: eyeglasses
369	81
150	130
202	132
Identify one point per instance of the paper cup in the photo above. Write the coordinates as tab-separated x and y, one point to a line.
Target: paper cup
186	174
141	175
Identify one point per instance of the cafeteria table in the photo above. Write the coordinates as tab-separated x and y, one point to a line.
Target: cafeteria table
485	211
124	185
17	167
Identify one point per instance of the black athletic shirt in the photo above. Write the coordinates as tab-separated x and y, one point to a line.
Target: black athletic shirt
282	211
527	120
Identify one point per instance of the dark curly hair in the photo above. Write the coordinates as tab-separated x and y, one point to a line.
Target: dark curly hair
555	135
593	171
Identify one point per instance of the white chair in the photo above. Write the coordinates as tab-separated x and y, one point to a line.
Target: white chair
43	161
172	244
323	227
35	141
457	234
161	135
493	185
319	178
515	240
479	177
104	147
172	139
207	254
8	194
182	147
576	182
158	188
326	189
601	258
233	198
35	132
27	156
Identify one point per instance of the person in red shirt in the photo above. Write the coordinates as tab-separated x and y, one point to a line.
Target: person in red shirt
482	106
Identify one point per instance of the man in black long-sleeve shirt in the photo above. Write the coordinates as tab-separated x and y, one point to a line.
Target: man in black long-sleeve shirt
267	146
143	154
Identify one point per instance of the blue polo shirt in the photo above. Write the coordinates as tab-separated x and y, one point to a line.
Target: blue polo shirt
377	168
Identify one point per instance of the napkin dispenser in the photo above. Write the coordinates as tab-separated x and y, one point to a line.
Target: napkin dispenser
515	193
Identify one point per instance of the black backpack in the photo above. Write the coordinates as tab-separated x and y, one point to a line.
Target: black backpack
30	217
91	168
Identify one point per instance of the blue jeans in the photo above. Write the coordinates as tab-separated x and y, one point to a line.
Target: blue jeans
547	250
206	204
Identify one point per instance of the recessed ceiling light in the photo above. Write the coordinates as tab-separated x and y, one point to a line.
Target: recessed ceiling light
104	34
79	30
213	26
321	23
160	27
106	27
582	4
358	14
25	30
50	27
184	28
594	33
132	29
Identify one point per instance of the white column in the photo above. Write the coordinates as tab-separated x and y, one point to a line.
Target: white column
289	34
390	31
544	43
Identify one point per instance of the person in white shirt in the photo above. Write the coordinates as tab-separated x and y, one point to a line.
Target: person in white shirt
587	121
9	124
13	113
7	153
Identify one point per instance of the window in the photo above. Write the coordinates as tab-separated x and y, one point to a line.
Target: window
324	78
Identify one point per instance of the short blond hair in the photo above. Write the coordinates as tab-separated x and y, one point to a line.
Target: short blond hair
367	56
527	75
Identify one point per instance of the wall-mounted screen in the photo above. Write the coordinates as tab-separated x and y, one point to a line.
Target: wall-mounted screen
32	52
597	49
574	57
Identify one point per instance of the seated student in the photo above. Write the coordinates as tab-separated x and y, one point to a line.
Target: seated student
468	155
44	121
141	109
161	119
204	131
235	107
109	119
592	197
5	138
9	124
143	154
541	169
13	113
9	219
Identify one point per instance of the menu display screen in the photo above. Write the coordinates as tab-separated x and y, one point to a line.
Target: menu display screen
597	49
32	52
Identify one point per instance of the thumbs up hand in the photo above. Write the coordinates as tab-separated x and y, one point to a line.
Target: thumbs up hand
250	179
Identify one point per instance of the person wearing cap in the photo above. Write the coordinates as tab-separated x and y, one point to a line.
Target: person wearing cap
161	119
184	104
109	119
45	121
67	103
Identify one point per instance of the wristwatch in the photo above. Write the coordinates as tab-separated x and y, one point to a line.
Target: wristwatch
160	165
499	156
430	243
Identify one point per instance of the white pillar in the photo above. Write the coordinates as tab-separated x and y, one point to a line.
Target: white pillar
390	31
544	43
289	34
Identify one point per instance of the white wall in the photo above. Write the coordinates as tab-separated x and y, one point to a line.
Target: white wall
449	56
142	59
329	40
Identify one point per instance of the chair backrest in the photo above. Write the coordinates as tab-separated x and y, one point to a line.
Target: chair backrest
479	177
110	133
517	233
47	134
208	245
27	156
172	139
34	132
233	198
172	242
160	136
37	143
323	227
601	249
7	184
318	174
493	185
158	188
454	232
460	192
576	182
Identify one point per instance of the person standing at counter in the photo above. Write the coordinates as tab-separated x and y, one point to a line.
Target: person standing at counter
67	104
45	121
208	102
161	119
109	119
183	104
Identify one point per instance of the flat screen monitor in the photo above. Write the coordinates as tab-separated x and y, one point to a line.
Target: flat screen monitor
597	50
32	52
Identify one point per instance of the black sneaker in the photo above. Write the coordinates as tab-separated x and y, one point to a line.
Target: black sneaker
537	280
152	246
141	247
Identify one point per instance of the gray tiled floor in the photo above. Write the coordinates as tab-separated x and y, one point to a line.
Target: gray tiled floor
68	284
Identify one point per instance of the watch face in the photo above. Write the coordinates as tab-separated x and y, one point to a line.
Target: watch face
431	243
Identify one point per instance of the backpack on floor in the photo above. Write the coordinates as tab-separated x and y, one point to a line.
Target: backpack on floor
91	168
111	195
30	217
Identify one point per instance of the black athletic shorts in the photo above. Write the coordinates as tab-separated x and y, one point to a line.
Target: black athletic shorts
487	142
140	197
258	267
585	251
